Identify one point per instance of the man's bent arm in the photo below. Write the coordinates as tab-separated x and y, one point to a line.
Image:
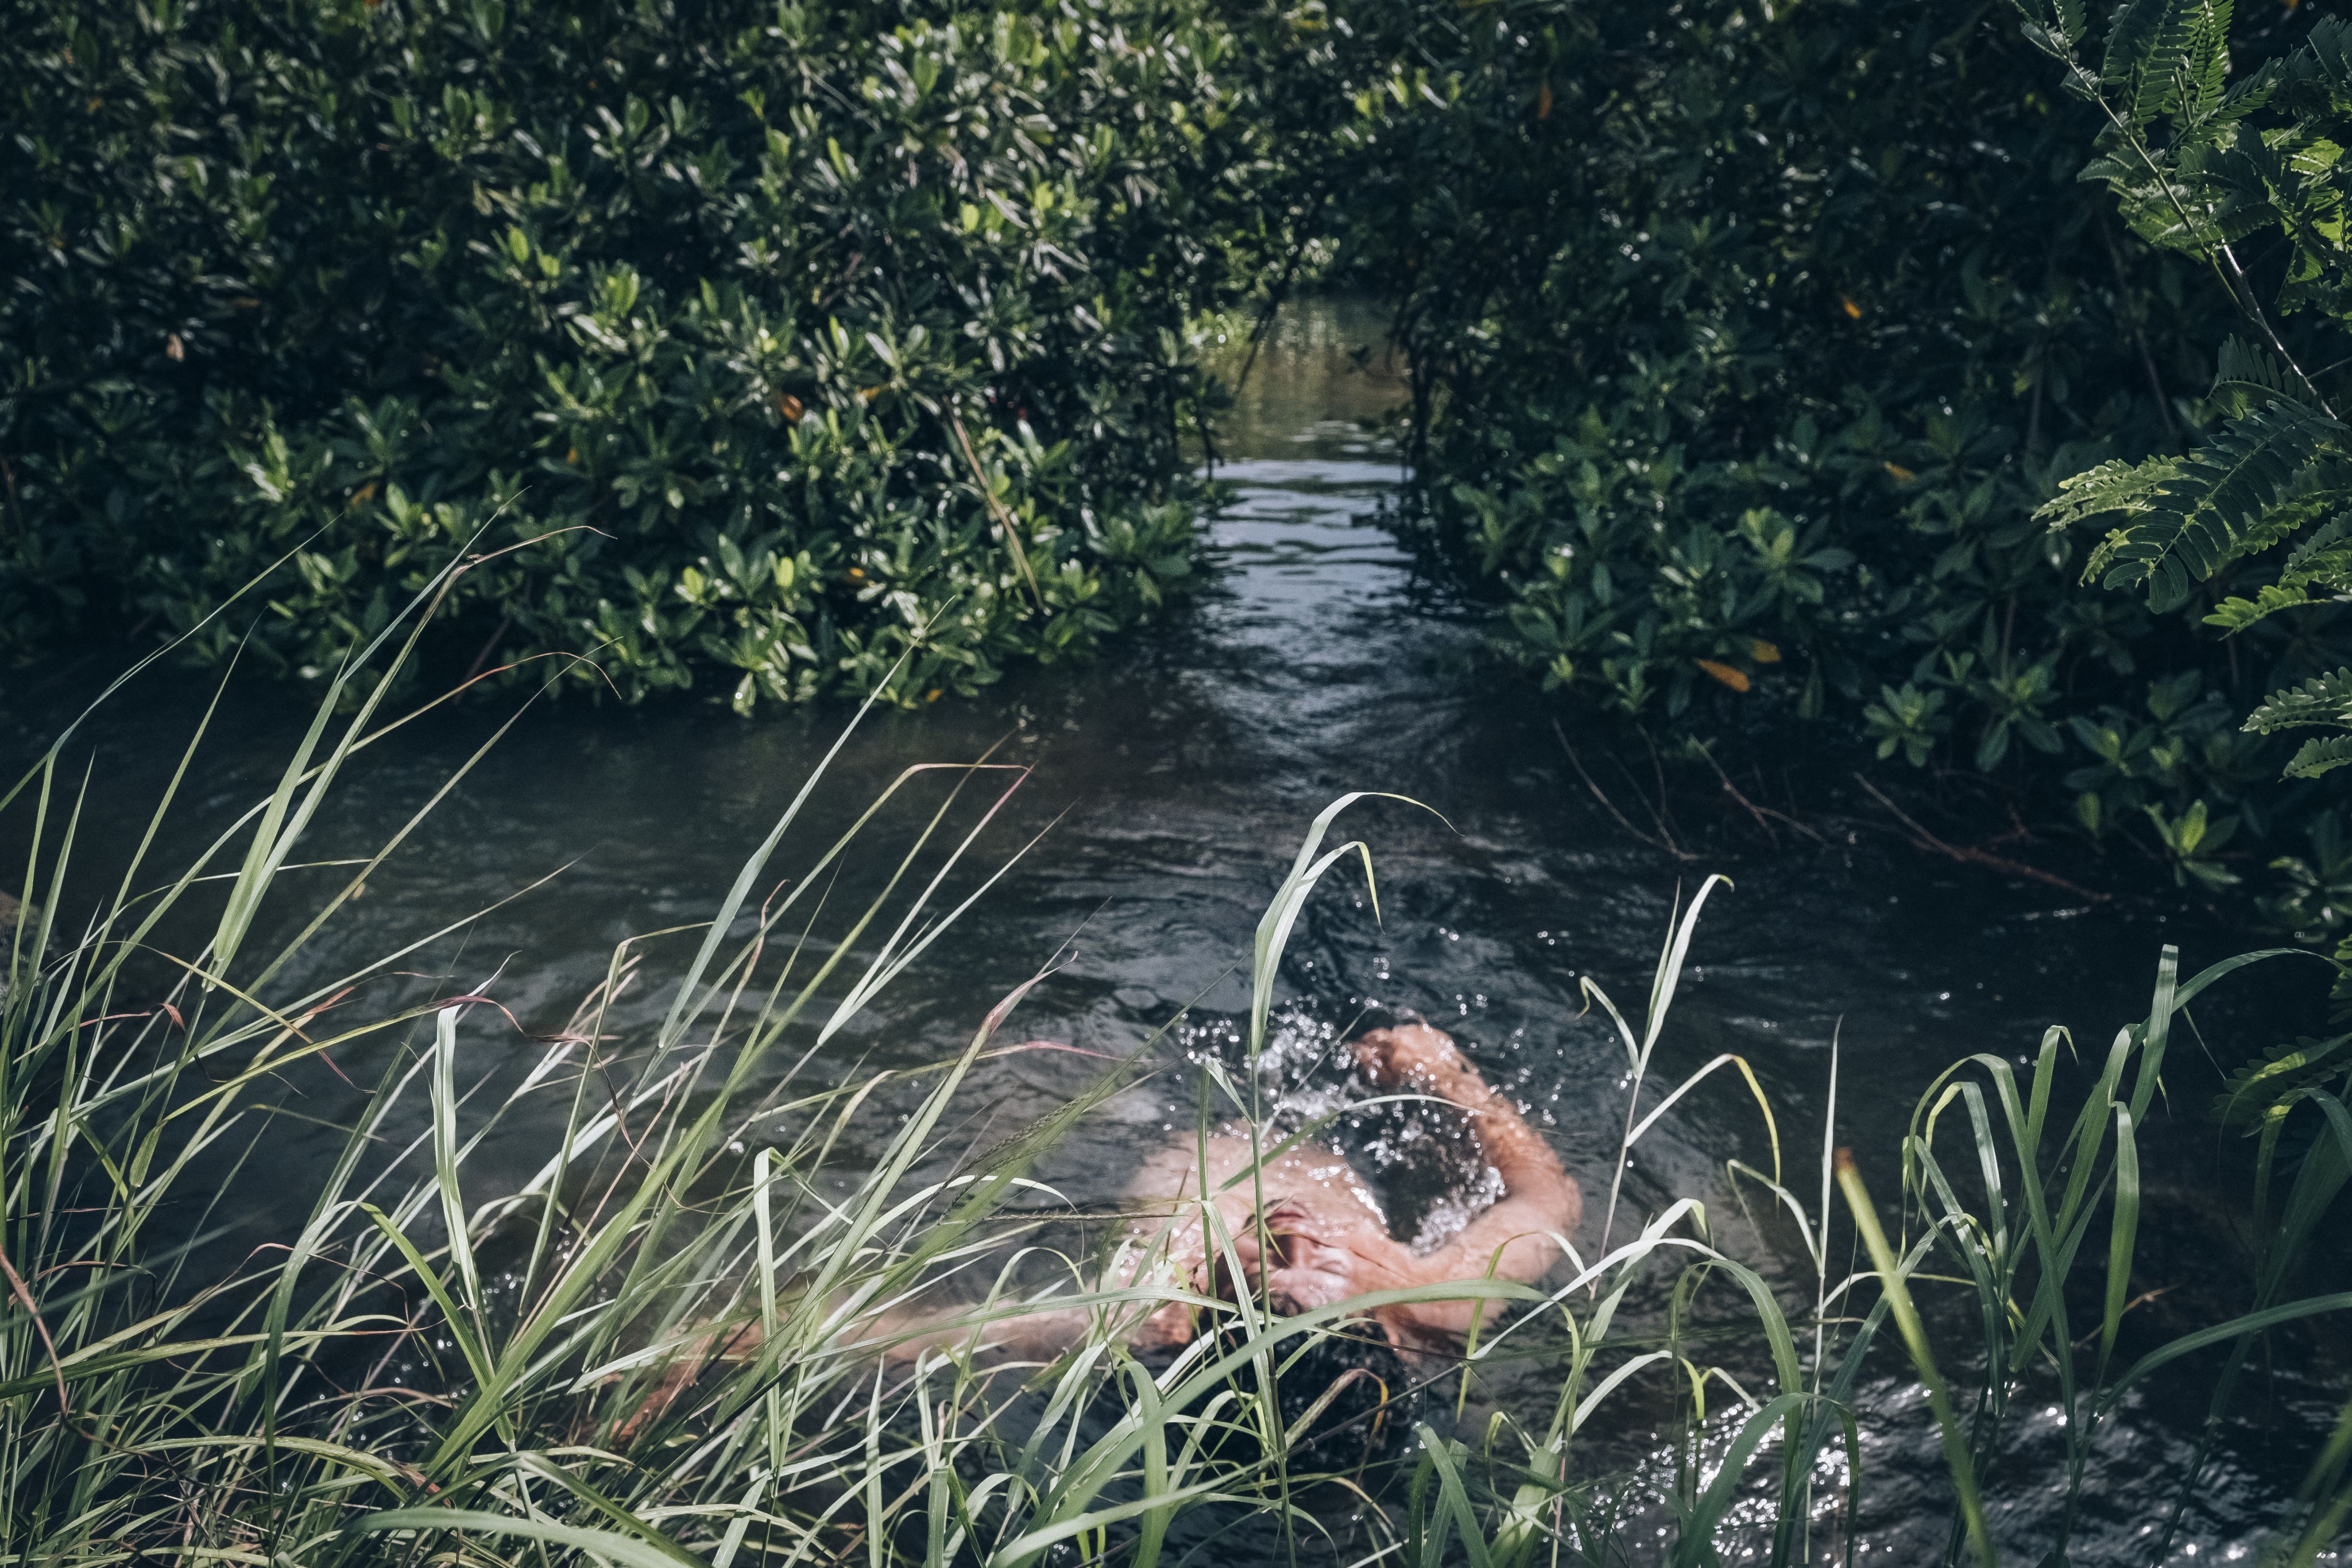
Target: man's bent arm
1512	1238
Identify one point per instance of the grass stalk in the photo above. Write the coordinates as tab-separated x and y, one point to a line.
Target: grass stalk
1891	1279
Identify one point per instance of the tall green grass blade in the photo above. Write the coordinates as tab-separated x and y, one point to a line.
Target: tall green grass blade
1695	1544
1663	984
2123	1234
1669	975
739	892
445	1157
1307	868
2220	1334
1454	1500
1891	1282
461	1328
1772	1127
625	1552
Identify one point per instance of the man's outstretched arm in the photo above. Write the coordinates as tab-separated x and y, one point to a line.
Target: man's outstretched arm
892	1335
1512	1240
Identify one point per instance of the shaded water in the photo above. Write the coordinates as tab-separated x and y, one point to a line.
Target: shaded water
1176	776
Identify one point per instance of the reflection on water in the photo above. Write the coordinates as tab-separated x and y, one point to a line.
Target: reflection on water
1176	776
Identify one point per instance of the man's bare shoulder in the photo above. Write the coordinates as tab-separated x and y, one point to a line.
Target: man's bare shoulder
1171	1167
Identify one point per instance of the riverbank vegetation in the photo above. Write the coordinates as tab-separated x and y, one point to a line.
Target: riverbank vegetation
743	350
450	1359
1746	349
739	349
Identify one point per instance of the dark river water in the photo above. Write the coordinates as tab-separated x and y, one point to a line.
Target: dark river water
1172	780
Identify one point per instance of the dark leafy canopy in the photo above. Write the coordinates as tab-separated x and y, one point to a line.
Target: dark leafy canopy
1746	344
2205	166
718	316
2245	176
752	347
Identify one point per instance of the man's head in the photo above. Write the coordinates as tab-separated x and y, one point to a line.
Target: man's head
1288	1262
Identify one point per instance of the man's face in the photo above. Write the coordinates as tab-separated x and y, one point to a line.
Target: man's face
1299	1270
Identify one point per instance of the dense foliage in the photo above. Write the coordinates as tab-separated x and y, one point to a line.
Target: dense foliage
2233	161
750	349
1745	346
2204	166
766	343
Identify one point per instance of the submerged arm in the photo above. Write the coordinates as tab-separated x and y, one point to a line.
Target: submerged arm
893	1335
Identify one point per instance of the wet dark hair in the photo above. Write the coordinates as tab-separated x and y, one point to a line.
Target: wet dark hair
1370	1388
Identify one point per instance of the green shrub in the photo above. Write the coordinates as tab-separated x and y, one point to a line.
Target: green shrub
1746	343
696	323
2204	165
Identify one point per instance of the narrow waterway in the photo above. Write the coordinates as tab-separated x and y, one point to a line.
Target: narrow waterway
1171	782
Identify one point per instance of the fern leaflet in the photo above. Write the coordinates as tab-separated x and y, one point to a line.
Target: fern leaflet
2194	522
2236	614
2253	372
2321	754
2114	486
2323	699
2262	1083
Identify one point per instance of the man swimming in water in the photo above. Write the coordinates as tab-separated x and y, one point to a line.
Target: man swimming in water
1323	1238
1304	1229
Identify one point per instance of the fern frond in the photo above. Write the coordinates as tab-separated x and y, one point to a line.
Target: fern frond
2206	71
2323	699
2202	518
2256	462
2054	27
2249	93
2325	558
2328	50
2253	371
2312	156
2275	527
2322	754
2168	59
2235	614
2298	172
2225	194
2249	1094
2131	38
2114	486
2112	169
